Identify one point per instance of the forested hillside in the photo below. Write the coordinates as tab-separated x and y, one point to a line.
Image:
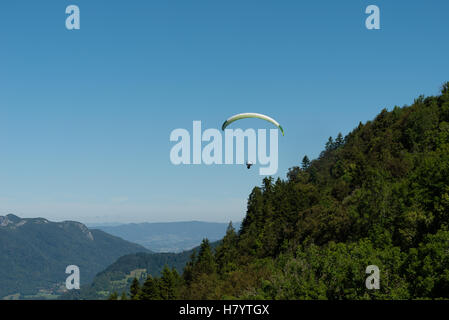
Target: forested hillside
118	277
379	196
34	254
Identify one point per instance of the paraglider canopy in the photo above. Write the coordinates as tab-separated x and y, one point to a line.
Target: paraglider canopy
251	115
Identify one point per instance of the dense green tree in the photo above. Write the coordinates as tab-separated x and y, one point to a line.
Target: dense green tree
227	252
168	284
150	289
205	262
330	144
135	289
305	163
187	274
339	141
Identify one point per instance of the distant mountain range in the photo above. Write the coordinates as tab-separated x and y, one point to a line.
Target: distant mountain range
170	236
34	254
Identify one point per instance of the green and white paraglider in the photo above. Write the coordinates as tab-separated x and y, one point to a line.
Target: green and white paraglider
251	115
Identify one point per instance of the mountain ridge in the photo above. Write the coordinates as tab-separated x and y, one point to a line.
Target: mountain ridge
36	251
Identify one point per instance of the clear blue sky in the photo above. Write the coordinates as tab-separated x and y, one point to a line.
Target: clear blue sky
85	116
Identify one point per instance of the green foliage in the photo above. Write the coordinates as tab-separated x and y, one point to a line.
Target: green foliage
337	271
150	289
169	283
305	164
226	253
134	289
427	266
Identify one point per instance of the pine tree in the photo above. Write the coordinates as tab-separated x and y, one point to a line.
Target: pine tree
206	261
305	163
330	145
187	274
254	209
135	289
339	141
124	296
150	289
445	89
168	284
227	253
